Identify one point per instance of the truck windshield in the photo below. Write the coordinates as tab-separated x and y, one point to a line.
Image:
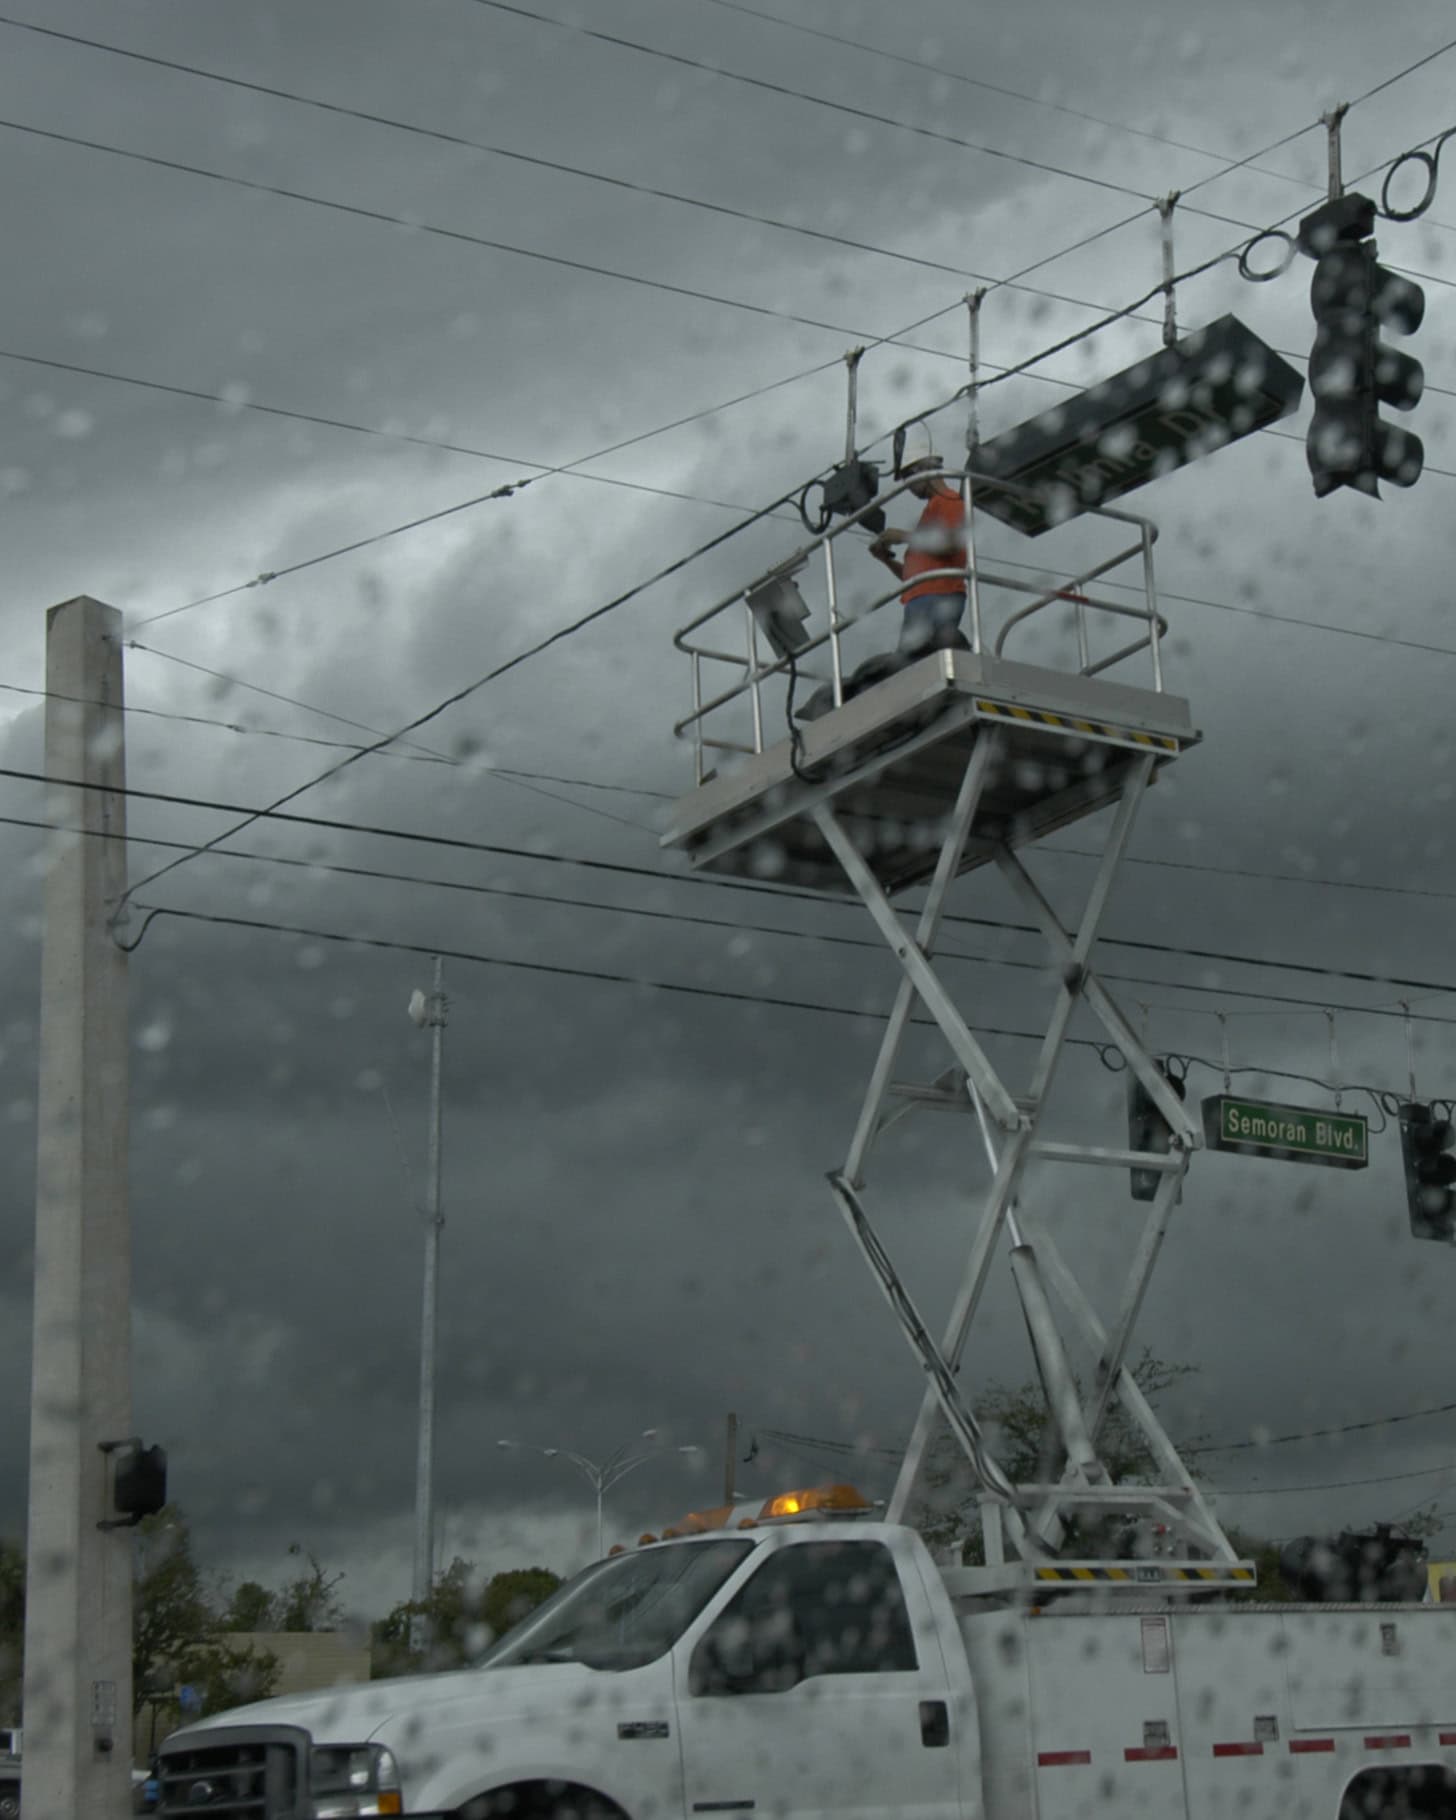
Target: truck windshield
622	1613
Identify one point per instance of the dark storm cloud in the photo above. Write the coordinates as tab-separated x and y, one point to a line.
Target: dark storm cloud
638	1227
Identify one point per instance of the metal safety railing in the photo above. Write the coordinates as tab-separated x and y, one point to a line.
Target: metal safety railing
732	718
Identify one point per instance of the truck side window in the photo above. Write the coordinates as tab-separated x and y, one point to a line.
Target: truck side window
817	1608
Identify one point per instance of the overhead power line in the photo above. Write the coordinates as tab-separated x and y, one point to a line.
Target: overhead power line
942	73
1309	879
1312	880
153	912
1178	278
294	701
586	174
837	107
540	470
233	403
858	113
734	925
582	172
526	780
465	505
1400	75
1187	1449
209	720
1319	1434
1383	1478
848	1450
291	701
625	869
436	230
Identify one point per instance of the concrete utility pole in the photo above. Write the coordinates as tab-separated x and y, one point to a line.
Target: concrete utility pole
429	1012
730	1459
78	1576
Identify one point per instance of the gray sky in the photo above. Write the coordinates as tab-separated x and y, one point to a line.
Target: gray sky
639	1232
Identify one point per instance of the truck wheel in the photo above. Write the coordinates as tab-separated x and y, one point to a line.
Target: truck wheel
10	1801
540	1801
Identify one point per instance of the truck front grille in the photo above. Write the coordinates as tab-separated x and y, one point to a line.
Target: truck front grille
243	1773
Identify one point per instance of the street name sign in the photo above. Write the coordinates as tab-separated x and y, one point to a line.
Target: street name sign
1293	1134
1207	390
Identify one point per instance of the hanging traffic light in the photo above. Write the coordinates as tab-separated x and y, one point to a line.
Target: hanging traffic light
1351	370
1148	1130
1430	1171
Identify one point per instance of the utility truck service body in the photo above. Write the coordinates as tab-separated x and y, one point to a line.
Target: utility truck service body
829	1667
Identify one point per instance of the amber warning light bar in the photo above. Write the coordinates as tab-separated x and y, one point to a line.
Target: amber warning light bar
840	1500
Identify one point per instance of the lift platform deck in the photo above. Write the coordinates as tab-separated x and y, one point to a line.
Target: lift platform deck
892	758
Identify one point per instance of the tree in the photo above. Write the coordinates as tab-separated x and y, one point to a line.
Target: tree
454	1623
311	1601
511	1596
175	1629
428	1633
250	1608
1270	1587
1424	1523
947	1509
171	1616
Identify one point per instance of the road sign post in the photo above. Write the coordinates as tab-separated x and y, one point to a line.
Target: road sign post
1290	1134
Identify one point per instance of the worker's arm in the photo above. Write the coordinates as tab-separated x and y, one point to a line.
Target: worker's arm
883	546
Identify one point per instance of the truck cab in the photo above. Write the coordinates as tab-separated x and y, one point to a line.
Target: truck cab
798	1669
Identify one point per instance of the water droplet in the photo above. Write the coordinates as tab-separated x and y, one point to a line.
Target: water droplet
154	1037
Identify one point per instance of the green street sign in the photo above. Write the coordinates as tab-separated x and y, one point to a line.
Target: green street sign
1292	1134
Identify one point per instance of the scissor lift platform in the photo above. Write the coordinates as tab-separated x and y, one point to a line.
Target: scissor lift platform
964	760
890	761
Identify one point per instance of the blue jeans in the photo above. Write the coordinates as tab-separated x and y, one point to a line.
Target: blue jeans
927	615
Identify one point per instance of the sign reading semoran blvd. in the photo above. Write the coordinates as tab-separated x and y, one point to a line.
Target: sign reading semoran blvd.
1295	1134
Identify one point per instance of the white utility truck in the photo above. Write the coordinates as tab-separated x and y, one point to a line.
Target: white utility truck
821	1663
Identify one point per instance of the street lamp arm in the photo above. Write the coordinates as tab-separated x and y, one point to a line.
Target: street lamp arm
580	1461
614	1468
623	1467
546	1453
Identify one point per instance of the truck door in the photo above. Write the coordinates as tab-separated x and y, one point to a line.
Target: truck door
819	1690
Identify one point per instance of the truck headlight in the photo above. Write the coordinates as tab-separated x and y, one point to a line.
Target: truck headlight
346	1780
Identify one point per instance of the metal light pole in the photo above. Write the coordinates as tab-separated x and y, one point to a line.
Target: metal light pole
604	1475
429	1013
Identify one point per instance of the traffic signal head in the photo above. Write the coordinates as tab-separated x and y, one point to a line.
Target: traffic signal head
1352	372
140	1488
1147	1129
1430	1172
854	484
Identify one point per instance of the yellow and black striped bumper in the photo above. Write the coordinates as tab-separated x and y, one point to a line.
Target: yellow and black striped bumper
1146	1573
1066	723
